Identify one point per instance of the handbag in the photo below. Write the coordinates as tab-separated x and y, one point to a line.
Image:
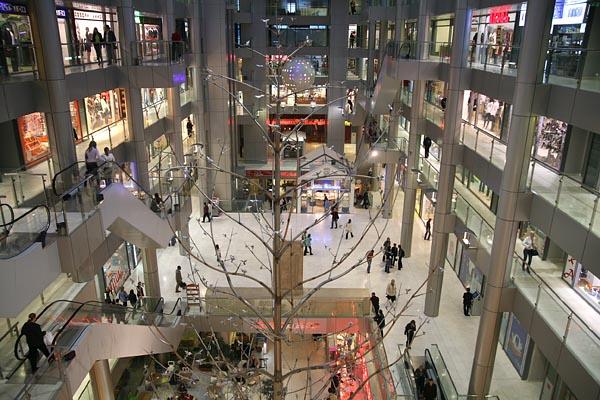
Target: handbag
534	252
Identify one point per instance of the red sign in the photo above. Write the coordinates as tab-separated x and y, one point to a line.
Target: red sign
296	121
265	173
499	14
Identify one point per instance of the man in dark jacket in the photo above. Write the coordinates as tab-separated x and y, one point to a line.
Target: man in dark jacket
409	331
110	42
394	254
467	302
375	302
380	319
35	340
205	212
420	376
426	145
430	391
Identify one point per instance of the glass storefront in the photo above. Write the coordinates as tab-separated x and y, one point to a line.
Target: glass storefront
493	34
583	281
550	137
486	113
118	268
102	109
76	121
155	105
308	35
34	138
148	32
16	34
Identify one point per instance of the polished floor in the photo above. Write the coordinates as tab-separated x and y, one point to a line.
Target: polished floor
452	331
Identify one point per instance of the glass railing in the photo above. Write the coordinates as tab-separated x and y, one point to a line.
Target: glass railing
406	385
317	306
158	51
475	222
434	114
447	386
567	194
66	321
20	233
79	193
79	57
155	112
577	336
484	143
28	189
278	10
186	95
381	383
495	58
412	50
18	60
573	67
8	342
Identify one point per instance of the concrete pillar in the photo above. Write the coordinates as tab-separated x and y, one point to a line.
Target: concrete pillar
450	148
151	278
514	178
219	147
133	97
101	380
200	132
168	20
175	138
388	195
52	75
414	145
414	138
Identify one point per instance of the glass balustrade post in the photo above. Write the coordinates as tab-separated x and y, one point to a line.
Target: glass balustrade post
567	327
476	139
537	296
492	151
591	226
530	183
14	190
560	182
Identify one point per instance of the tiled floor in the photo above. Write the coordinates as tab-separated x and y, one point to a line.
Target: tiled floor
452	331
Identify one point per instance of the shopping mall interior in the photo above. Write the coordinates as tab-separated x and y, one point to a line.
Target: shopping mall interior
290	199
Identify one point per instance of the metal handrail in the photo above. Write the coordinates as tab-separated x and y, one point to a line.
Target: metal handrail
39	237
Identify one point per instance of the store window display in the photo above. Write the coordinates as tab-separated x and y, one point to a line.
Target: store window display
486	113
550	136
492	36
34	138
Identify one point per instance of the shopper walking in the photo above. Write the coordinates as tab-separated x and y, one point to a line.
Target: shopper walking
308	244
35	340
190	127
97	42
391	291
386	245
529	250
430	390
428	229
400	256
335	217
349	229
467	302
122	296
394	251
370	256
108	163
380	319
409	331
375	302
218	255
389	259
426	145
140	292
326	203
132	298
110	41
178	279
420	375
92	155
352	7
205	212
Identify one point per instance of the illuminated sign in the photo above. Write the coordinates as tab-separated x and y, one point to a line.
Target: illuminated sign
260	173
499	15
296	121
9	8
88	15
61	13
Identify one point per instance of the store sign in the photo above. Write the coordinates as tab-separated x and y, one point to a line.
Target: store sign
61	13
499	15
9	8
88	15
265	173
296	121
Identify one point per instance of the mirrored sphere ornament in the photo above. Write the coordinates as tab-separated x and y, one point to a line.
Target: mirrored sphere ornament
298	74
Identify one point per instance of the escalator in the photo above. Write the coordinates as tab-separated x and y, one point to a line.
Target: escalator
19	232
128	210
91	331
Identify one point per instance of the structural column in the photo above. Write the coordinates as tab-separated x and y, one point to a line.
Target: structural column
151	278
414	137
52	73
410	189
101	380
388	195
175	138
133	95
451	153
513	186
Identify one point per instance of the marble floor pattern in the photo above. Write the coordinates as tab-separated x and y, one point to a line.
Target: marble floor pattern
451	330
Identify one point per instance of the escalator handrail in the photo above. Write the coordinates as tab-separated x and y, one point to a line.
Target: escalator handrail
12	216
44	229
13	219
